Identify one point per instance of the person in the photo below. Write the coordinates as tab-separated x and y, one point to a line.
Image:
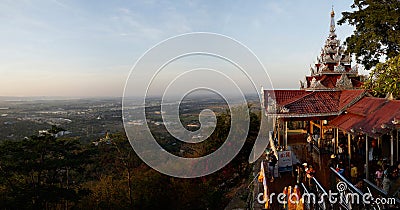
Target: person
309	143
340	168
359	185
304	170
341	151
299	173
310	174
272	163
394	185
353	173
360	146
379	177
332	161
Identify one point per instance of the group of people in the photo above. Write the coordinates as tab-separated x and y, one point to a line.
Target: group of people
304	173
293	199
388	178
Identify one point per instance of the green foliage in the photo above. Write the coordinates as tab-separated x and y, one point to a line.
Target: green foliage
39	172
45	172
377	30
385	78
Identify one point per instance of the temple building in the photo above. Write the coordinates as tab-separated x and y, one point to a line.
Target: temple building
332	86
331	106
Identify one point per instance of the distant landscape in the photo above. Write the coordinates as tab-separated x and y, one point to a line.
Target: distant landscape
58	153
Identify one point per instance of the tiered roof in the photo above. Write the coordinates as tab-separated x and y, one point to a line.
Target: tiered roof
332	86
333	67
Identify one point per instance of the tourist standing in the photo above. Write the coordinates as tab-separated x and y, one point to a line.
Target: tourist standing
272	163
310	174
353	173
379	177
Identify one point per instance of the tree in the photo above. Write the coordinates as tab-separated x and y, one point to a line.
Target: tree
39	172
385	78
377	30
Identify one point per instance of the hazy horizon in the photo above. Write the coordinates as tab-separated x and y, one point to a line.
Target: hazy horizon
58	48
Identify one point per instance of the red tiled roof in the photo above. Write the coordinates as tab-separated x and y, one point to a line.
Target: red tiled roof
368	115
366	105
356	83
300	102
281	96
384	115
315	102
347	121
349	96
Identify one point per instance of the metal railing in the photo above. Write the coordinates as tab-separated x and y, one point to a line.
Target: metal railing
390	201
315	196
351	197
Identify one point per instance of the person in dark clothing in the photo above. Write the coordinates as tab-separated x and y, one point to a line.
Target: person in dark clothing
272	162
332	163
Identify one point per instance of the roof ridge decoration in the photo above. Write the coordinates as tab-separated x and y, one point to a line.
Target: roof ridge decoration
344	82
333	61
316	84
332	53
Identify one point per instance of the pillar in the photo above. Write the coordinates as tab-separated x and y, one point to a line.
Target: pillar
366	157
321	131
279	131
397	145
336	140
286	135
391	148
349	144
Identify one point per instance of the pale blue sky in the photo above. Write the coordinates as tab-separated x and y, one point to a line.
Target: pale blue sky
87	48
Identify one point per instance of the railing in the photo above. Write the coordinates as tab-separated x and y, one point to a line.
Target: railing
323	200
350	197
315	197
378	193
307	204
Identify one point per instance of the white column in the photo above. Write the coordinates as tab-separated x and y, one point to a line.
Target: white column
286	134
391	148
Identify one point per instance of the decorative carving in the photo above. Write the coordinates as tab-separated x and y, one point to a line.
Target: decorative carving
339	68
344	82
284	110
271	106
316	84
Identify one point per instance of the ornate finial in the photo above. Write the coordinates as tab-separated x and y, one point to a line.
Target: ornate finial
332	26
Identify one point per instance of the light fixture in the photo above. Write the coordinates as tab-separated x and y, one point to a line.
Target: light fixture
395	121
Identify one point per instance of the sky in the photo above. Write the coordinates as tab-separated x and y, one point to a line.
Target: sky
87	48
